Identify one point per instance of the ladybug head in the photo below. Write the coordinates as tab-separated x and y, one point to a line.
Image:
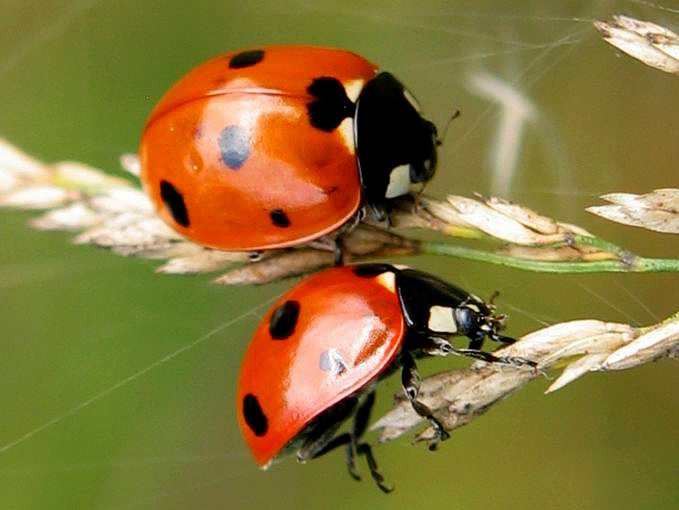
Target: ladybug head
476	319
423	166
396	146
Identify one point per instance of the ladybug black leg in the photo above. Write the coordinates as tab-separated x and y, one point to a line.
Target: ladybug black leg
361	449
437	346
363	416
504	339
378	211
320	439
411	380
350	456
491	358
476	339
364	449
339	251
476	344
359	427
357	430
336	442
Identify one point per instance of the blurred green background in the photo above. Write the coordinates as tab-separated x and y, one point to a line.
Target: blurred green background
77	79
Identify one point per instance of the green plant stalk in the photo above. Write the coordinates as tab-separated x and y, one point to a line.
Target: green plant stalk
632	264
602	244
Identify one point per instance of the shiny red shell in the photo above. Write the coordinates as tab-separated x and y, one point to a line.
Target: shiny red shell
347	331
231	160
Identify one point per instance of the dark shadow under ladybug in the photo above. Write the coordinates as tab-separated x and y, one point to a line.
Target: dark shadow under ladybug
432	311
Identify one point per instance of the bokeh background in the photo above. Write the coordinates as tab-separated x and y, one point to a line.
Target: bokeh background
106	421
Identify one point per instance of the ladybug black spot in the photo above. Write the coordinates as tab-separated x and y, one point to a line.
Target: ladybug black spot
254	415
175	203
331	104
234	146
283	320
372	270
246	59
279	218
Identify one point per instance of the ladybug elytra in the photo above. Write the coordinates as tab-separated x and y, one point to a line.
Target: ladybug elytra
317	355
277	146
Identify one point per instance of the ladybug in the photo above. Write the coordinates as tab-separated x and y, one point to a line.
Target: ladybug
277	146
317	355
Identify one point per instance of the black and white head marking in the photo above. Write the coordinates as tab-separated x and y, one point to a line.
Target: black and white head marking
442	320
395	145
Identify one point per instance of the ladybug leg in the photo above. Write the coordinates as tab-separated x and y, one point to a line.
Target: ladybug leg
476	344
336	246
362	416
504	339
410	378
364	449
361	420
361	449
350	456
491	358
437	346
320	439
347	440
339	251
358	428
378	212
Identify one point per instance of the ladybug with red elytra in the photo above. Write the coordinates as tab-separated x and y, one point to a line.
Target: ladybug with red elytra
278	146
317	355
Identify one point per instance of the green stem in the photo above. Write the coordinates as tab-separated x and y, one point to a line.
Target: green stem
634	265
602	244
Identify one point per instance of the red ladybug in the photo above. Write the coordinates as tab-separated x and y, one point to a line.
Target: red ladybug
276	146
317	355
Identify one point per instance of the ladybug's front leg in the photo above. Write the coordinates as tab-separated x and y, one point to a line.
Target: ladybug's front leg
437	346
476	344
411	380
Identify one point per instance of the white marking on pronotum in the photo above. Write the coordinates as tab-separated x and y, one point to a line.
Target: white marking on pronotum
346	131
353	89
441	320
399	182
346	128
387	280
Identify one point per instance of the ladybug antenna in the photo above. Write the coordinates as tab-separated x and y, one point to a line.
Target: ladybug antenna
455	115
493	297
